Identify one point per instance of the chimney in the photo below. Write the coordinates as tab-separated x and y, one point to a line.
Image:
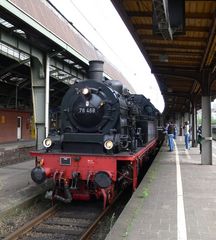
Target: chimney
96	70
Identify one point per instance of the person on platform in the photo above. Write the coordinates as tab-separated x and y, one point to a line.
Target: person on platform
171	131
166	134
175	131
199	137
186	128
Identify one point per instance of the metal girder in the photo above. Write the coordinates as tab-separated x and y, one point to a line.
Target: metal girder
176	94
211	38
140	26
8	69
22	46
184	73
171	46
176	53
161	14
9	6
191	15
19	44
65	68
177	38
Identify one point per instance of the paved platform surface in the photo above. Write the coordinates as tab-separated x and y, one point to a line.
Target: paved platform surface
14	152
16	145
175	201
16	185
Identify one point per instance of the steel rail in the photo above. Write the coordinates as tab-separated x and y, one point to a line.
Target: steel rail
51	211
34	222
91	229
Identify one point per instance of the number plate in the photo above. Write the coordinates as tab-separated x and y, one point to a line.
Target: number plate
90	110
65	161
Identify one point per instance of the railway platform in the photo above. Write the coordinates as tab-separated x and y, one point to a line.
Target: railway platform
16	186
175	200
15	152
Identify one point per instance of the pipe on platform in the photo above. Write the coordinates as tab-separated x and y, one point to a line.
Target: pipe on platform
47	97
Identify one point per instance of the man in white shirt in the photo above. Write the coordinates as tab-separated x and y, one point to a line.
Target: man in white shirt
186	128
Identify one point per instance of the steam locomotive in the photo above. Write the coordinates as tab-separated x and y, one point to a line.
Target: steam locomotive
106	135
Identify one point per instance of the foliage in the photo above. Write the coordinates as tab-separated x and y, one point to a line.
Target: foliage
199	120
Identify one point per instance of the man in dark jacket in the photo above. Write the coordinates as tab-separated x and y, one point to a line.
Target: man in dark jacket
199	137
171	131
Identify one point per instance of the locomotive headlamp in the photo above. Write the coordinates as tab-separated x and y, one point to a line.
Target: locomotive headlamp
85	91
47	142
108	144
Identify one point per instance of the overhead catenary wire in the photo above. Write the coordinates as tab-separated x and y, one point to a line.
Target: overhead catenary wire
99	35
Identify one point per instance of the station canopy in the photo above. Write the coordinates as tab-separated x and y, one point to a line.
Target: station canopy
31	28
178	40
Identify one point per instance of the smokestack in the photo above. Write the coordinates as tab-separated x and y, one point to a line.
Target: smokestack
96	70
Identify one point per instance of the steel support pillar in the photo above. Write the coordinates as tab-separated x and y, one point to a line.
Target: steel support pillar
206	156
187	117
38	95
181	125
178	123
194	125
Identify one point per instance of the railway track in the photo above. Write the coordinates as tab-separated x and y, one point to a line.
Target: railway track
75	221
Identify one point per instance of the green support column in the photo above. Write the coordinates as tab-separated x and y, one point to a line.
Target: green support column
194	123
38	95
206	157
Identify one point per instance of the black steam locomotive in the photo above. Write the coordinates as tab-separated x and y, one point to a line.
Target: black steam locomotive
100	116
106	136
